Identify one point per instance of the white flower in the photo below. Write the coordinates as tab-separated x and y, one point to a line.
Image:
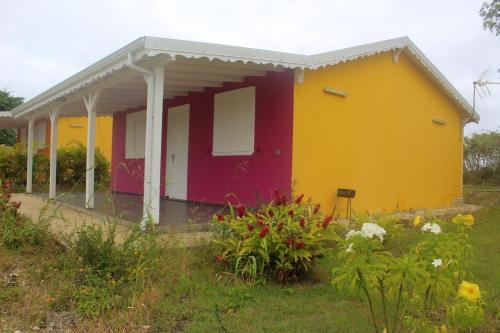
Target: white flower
353	233
437	262
349	248
372	229
432	227
368	230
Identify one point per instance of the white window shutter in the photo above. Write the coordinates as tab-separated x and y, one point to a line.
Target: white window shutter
130	135
234	122
243	121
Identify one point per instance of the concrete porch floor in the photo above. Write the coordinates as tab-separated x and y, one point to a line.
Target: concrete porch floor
129	207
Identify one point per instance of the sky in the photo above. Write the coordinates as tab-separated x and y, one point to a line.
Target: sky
44	42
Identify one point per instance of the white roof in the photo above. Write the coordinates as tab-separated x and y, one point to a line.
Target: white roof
193	66
7	121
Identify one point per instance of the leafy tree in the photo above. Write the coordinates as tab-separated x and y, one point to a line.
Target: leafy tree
482	158
8	102
490	12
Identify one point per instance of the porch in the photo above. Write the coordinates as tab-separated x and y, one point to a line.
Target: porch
129	207
191	121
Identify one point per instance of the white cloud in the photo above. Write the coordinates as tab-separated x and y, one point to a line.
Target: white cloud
43	42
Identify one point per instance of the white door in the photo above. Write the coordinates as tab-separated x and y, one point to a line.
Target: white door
177	152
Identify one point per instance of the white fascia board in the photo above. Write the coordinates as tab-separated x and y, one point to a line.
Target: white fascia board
196	50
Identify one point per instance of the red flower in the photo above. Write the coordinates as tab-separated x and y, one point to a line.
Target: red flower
270	213
290	242
218	258
302	222
327	221
298	200
299	245
280	225
261	223
241	211
291	212
250	227
16	204
220	217
264	231
316	208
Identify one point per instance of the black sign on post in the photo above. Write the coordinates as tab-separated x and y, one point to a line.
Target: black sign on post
349	194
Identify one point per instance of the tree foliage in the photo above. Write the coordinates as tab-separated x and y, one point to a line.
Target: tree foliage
8	102
490	12
482	158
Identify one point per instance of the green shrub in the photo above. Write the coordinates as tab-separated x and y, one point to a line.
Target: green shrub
18	232
415	285
13	166
72	165
281	240
111	273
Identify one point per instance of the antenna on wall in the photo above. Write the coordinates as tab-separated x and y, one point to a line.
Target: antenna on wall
481	87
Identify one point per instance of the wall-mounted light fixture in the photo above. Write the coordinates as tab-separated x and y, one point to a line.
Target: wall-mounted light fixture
332	91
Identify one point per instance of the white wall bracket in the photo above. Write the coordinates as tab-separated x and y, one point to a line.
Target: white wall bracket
299	75
395	54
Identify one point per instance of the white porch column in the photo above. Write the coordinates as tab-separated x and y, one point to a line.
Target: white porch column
53	152
90	103
152	155
29	162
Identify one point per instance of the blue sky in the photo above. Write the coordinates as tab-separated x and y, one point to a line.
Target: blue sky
44	42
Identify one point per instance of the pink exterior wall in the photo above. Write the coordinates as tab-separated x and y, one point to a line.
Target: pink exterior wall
212	178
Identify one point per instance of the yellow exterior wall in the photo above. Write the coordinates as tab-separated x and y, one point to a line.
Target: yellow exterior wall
379	140
74	129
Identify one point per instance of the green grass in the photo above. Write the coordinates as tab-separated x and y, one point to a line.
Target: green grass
189	294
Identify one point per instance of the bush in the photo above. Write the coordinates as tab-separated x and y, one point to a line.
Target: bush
13	166
18	232
416	285
72	165
109	273
482	158
280	241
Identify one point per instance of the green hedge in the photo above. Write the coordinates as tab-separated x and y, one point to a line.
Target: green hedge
71	166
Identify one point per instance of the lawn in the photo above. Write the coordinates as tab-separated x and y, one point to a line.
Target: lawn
189	294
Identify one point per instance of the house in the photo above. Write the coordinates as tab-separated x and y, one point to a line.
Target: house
70	130
205	122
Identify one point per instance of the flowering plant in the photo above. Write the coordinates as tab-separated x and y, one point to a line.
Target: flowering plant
280	240
411	284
